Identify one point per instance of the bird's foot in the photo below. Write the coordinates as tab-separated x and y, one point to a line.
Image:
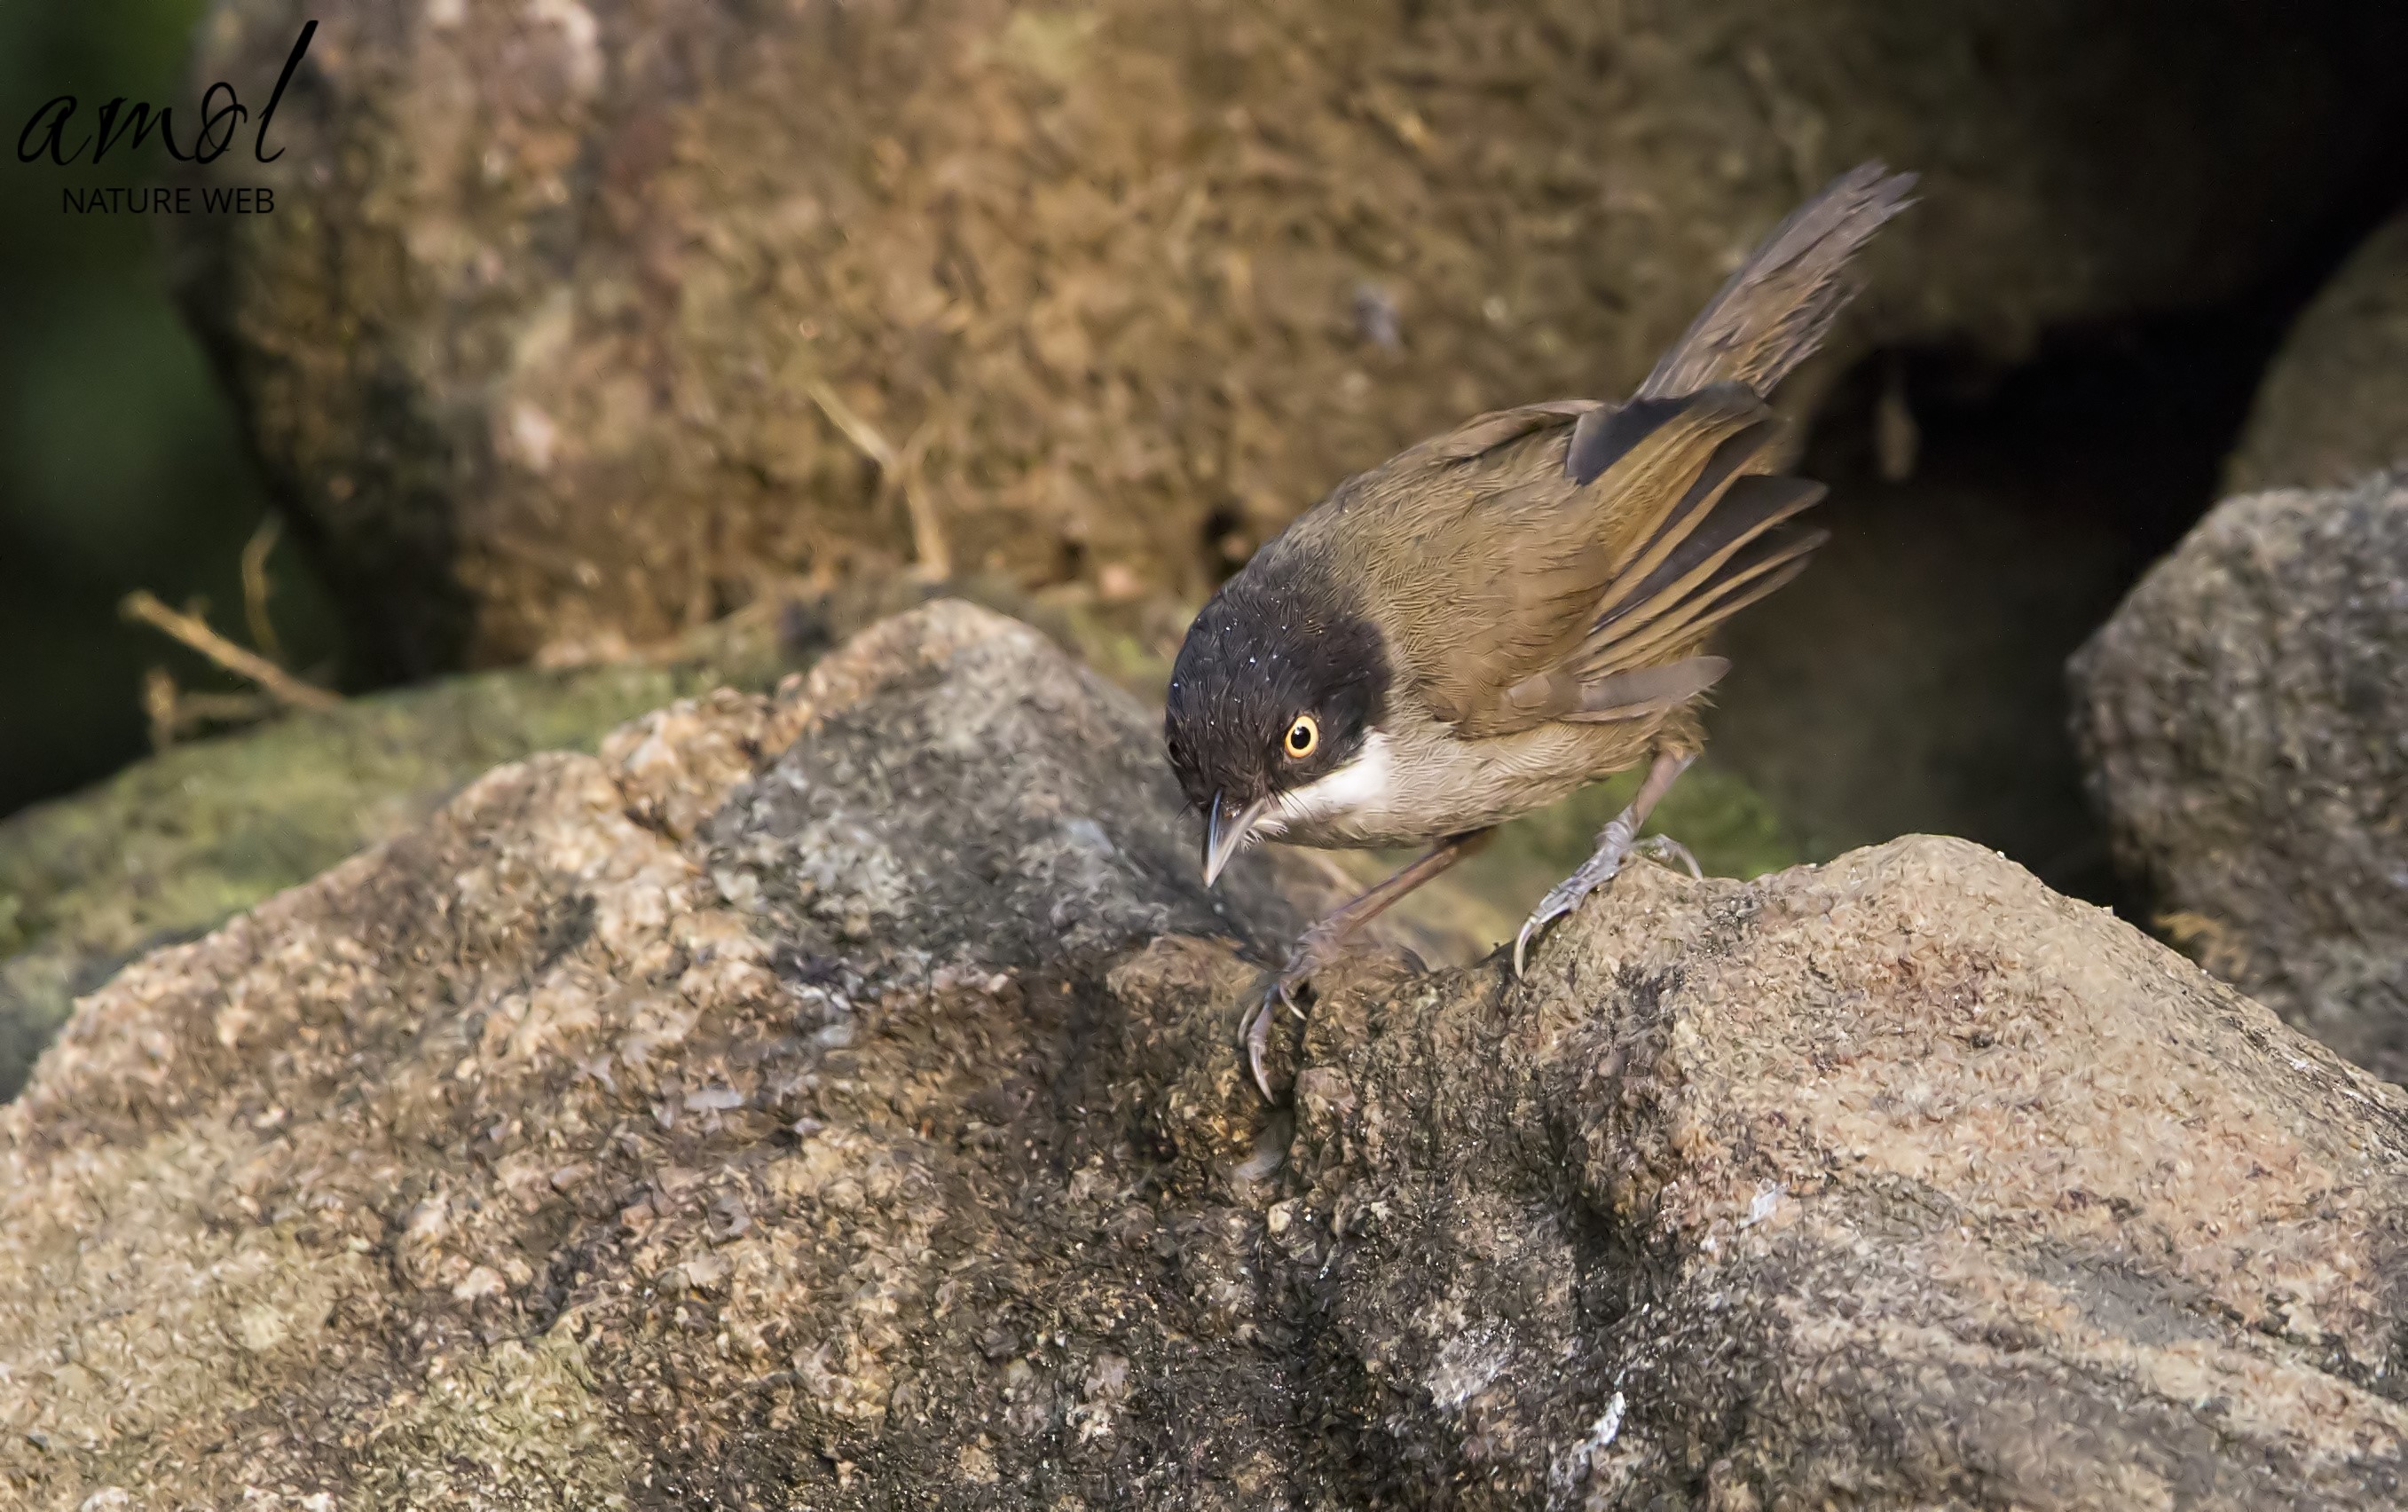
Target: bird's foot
1315	948
1613	848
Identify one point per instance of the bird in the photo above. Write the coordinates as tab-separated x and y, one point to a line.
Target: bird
1502	614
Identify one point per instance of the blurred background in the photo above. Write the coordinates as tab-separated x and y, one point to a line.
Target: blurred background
2038	490
121	463
593	357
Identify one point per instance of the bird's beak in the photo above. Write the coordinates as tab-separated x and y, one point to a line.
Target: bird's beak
1226	833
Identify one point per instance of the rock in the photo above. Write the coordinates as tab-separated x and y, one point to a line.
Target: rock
2245	719
2333	407
572	318
177	844
174	845
878	1140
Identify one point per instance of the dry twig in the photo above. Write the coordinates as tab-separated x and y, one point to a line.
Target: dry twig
898	472
141	604
174	713
860	432
254	587
159	708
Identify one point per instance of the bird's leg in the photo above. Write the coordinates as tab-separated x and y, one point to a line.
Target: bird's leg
1318	945
1614	845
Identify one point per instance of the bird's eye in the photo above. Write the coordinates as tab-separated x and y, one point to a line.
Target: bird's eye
1302	737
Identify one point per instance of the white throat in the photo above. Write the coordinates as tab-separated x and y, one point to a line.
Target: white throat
1361	784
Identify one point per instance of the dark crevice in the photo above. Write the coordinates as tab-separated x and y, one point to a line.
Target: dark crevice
1914	680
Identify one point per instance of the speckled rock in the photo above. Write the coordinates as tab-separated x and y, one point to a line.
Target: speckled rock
534	339
2333	407
860	1127
177	844
2244	720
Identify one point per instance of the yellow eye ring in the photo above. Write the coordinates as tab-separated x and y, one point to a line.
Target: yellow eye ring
1302	737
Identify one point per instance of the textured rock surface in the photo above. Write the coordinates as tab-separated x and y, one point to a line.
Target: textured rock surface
529	344
177	844
174	845
2334	405
867	1133
2244	718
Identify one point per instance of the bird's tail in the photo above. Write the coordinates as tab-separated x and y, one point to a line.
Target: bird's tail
1775	311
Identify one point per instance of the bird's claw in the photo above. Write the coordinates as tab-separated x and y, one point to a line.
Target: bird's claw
1665	848
1255	1035
1612	850
1284	990
1313	952
1560	900
1256	1031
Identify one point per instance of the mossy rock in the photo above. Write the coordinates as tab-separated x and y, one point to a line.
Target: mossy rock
174	845
835	1102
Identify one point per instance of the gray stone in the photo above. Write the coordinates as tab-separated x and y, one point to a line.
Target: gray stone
2245	719
2333	406
173	845
689	1123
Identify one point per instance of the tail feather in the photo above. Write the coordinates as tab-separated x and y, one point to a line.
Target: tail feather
1775	311
1748	509
1766	563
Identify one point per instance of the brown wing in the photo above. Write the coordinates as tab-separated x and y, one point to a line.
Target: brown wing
1566	561
1493	555
1722	542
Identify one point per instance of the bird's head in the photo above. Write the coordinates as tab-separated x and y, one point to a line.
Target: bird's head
1274	709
